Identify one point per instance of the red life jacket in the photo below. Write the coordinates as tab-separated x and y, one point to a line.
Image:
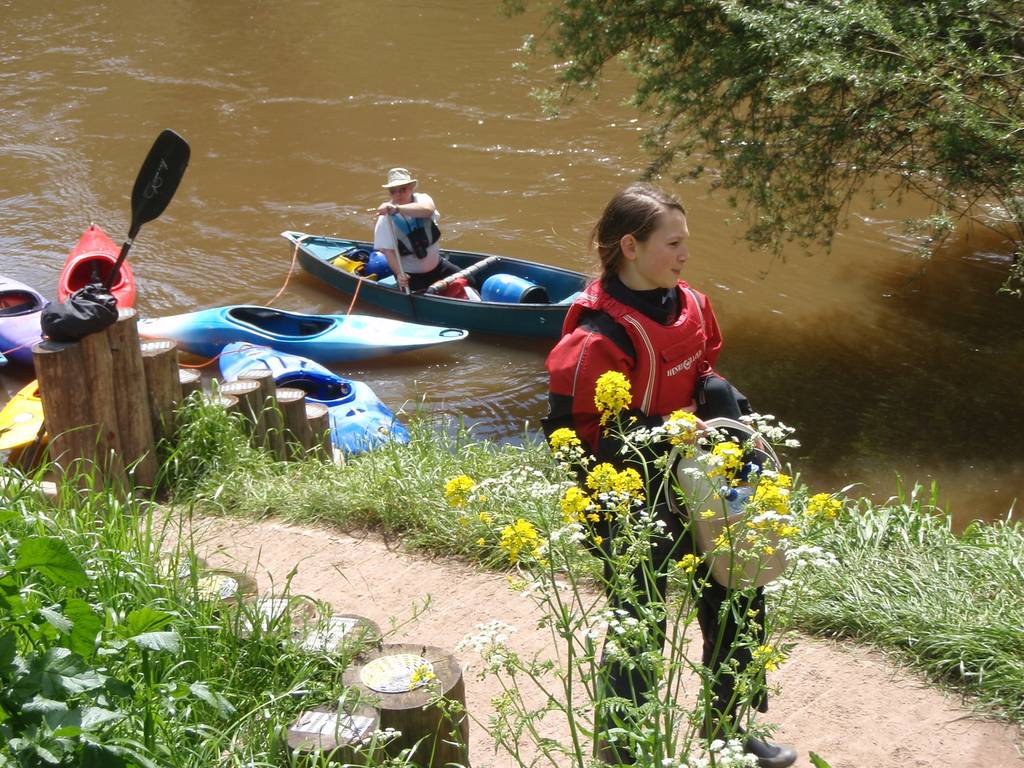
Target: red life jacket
669	358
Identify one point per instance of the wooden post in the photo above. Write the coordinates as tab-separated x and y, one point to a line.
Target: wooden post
224	585
345	634
94	398
296	436
133	420
67	404
271	413
319	429
392	679
191	381
228	402
163	384
339	734
248	394
99	379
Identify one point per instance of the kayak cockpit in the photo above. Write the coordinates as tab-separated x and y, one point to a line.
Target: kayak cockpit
317	389
280	323
18	303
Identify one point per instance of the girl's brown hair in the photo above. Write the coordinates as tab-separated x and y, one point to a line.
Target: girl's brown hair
631	211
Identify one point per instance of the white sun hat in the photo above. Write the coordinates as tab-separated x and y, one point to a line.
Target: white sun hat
397	177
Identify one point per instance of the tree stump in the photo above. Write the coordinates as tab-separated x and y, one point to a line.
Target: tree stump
133	420
95	404
163	384
270	612
296	436
221	585
67	404
317	414
396	678
340	633
250	406
191	381
227	402
271	413
338	734
99	377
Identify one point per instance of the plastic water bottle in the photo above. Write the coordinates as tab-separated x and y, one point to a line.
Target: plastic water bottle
736	499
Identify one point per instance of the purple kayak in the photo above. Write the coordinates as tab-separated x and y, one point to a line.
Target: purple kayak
20	308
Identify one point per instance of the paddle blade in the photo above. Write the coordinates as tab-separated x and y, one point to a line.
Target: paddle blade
158	178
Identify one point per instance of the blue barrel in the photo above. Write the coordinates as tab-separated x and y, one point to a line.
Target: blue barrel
377	266
513	290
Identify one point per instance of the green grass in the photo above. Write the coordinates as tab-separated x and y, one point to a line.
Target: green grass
187	688
951	606
397	490
110	655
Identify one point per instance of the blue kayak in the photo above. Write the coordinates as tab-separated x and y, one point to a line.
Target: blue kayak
359	420
324	338
20	309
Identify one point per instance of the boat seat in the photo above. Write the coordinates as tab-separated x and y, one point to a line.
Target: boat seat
16	303
254	314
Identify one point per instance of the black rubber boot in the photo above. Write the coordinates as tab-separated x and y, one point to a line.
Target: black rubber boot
769	755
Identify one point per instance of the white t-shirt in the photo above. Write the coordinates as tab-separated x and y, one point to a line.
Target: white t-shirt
384	238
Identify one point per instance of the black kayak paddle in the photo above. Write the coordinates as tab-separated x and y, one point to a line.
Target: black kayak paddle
154	187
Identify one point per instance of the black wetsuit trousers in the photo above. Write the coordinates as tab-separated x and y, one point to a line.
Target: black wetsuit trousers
723	615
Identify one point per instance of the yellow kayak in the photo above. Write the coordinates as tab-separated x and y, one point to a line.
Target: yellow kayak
21	418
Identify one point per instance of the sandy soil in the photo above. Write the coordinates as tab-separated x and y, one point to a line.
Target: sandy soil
849	705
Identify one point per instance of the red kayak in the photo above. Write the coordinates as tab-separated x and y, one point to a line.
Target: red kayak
94	258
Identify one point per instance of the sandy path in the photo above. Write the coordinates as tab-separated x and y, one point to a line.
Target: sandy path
847	704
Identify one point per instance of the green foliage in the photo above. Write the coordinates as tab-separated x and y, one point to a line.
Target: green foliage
395	489
907	583
111	655
798	105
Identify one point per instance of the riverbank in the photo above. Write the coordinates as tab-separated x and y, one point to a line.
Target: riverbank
853	706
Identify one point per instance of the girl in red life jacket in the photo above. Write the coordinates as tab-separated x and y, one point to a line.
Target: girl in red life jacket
640	319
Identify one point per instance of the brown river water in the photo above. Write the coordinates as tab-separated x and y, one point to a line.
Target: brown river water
295	109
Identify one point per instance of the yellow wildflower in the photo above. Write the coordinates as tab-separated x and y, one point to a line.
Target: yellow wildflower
726	460
457	490
681	426
771	494
602	478
630	482
687	563
481	542
823	505
598	540
422	674
612	395
769	657
786	531
520	538
485	518
707	514
574	505
564	438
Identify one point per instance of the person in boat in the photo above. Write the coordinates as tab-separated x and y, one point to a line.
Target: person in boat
640	319
407	229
